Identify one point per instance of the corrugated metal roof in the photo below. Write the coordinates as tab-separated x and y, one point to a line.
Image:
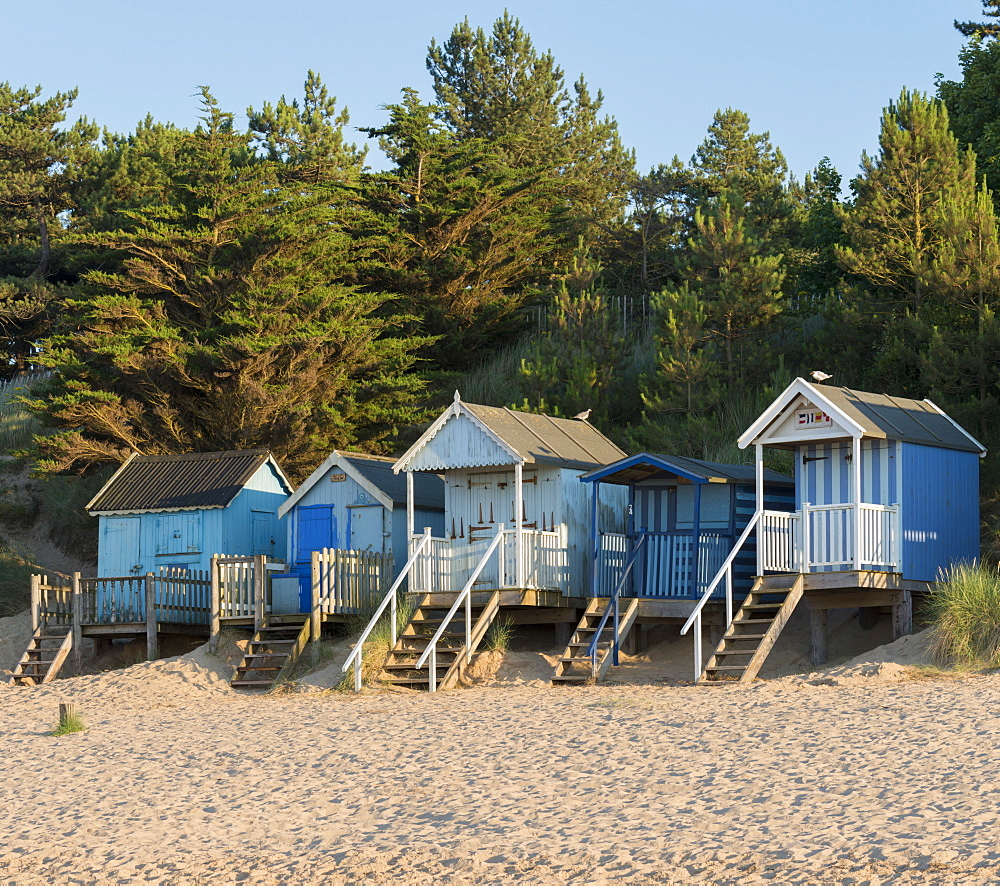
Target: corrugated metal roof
647	466
547	440
428	488
179	482
897	418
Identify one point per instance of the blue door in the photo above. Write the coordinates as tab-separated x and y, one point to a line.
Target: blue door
317	529
262	530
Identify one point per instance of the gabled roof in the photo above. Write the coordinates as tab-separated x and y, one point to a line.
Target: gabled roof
528	438
869	415
193	480
647	466
375	475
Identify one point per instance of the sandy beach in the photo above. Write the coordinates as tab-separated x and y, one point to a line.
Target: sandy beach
870	773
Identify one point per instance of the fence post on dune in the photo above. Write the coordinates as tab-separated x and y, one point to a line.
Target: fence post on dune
259	585
213	605
314	617
152	635
36	601
76	611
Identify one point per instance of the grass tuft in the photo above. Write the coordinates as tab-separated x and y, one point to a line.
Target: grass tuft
499	635
964	613
69	724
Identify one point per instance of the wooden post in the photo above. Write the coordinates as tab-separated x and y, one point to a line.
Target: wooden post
519	570
817	629
902	615
214	621
410	508
856	483
152	634
76	608
695	589
36	601
759	503
315	622
259	585
67	712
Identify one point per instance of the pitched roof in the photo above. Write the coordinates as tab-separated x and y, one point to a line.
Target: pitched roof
874	416
375	473
428	488
647	466
192	480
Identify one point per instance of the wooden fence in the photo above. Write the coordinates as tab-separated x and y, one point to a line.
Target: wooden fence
349	581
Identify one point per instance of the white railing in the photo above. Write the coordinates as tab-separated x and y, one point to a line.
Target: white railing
464	596
665	569
777	542
546	558
880	536
446	564
725	572
349	581
390	601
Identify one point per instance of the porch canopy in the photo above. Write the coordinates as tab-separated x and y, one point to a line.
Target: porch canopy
650	471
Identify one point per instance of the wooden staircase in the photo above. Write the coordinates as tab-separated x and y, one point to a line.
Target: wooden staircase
400	667
576	666
47	651
274	648
753	632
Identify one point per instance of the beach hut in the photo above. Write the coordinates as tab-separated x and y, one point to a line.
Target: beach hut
684	516
515	473
886	496
173	512
354	501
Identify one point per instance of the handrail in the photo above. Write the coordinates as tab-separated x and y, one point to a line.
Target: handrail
465	595
726	565
388	600
613	602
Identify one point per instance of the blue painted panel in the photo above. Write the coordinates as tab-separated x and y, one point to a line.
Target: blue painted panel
317	529
119	550
365	529
940	509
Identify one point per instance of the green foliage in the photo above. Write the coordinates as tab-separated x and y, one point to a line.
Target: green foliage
498	635
68	724
895	226
16	570
964	613
64	511
579	362
18	425
378	644
991	9
225	325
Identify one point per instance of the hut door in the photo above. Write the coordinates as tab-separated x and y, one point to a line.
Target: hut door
120	554
317	530
262	530
366	527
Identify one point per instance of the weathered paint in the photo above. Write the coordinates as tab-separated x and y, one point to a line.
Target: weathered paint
940	509
135	545
461	443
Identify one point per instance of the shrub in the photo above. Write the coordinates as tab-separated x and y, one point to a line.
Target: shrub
499	635
964	611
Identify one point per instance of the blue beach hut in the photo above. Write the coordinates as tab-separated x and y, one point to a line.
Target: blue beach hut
176	511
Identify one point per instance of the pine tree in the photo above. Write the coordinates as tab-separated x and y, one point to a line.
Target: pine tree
39	166
225	326
991	9
895	226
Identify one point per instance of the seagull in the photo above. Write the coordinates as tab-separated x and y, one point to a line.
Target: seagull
583	416
820	376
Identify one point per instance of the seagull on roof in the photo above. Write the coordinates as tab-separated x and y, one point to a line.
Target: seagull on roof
583	416
820	376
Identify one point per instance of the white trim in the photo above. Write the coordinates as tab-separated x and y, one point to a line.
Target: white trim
756	432
455	410
340	460
938	409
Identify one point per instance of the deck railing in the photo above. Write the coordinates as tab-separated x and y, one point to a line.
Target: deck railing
445	565
665	568
778	541
114	599
181	596
349	581
51	601
824	537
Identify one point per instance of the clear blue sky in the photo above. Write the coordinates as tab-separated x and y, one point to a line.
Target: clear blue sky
815	75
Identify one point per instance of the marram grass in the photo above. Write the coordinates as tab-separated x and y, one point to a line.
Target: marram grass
964	612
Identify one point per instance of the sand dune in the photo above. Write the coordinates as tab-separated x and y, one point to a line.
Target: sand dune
878	778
